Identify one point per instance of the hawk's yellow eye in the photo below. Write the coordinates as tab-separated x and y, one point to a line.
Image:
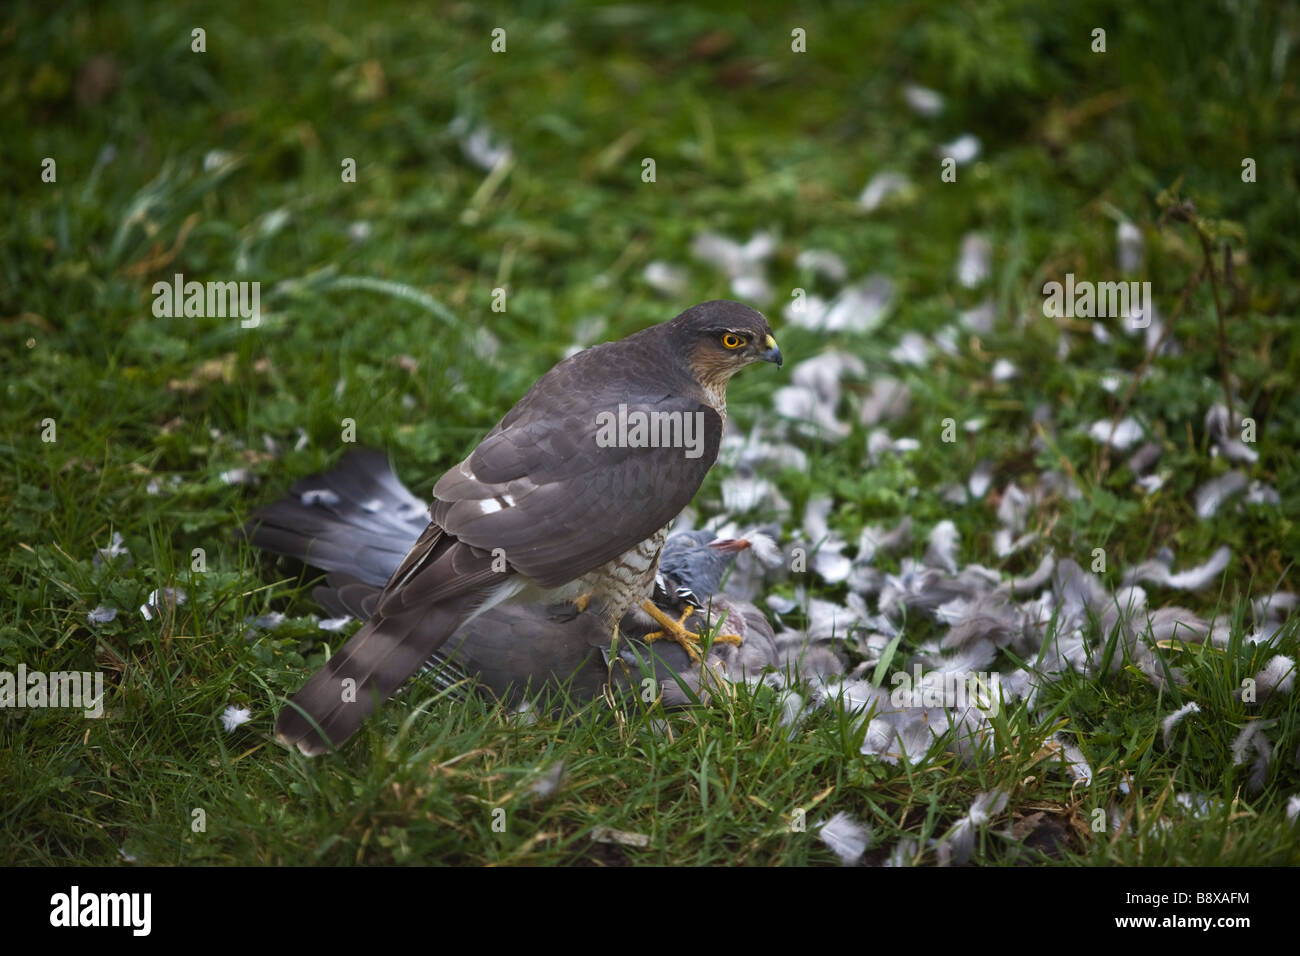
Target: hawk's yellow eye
732	341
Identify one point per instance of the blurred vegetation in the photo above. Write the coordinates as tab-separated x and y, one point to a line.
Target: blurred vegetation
226	165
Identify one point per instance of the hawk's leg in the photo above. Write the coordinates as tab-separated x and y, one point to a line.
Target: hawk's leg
679	632
581	601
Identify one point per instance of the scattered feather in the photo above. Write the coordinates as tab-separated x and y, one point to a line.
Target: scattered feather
214	159
1014	507
1150	484
912	349
806	313
1172	623
904	853
160	597
975	264
922	100
878	740
979	319
1193	579
666	279
745	493
880	188
1126	433
988	617
872	540
233	716
269	621
941	546
1004	545
781	605
964	149
1277	676
828	620
1260	493
547	783
1128	240
961	839
743	264
1276	606
115	549
1223	432
1075	762
238	476
888	399
722	252
1199	805
478	144
748	452
1244	742
102	614
822	262
981	479
803	405
1145	457
829	564
1169	723
1032	582
846	837
751	287
824	374
792	711
1259	769
858	308
946	340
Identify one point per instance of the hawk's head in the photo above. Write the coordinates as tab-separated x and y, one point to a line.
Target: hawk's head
720	338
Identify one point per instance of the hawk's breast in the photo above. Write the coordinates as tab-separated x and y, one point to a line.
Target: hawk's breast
629	578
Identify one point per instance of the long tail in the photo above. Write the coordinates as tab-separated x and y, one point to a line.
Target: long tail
440	585
361	523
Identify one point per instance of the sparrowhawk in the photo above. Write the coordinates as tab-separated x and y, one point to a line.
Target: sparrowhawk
568	497
357	521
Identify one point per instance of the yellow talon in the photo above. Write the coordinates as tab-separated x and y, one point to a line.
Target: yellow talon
581	601
677	630
674	630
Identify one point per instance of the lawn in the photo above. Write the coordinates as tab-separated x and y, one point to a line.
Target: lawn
434	223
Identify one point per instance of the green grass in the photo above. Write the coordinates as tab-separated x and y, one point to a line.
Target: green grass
746	136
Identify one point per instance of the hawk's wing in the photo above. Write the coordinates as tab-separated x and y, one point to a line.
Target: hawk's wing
541	487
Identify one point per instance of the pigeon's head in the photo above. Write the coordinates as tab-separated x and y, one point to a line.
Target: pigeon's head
693	563
720	338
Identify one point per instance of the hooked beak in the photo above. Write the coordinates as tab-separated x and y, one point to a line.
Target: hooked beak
773	354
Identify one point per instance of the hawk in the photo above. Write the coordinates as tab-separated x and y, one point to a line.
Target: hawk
568	498
357	521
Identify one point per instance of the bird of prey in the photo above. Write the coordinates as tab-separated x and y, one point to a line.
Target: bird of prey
358	521
568	498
